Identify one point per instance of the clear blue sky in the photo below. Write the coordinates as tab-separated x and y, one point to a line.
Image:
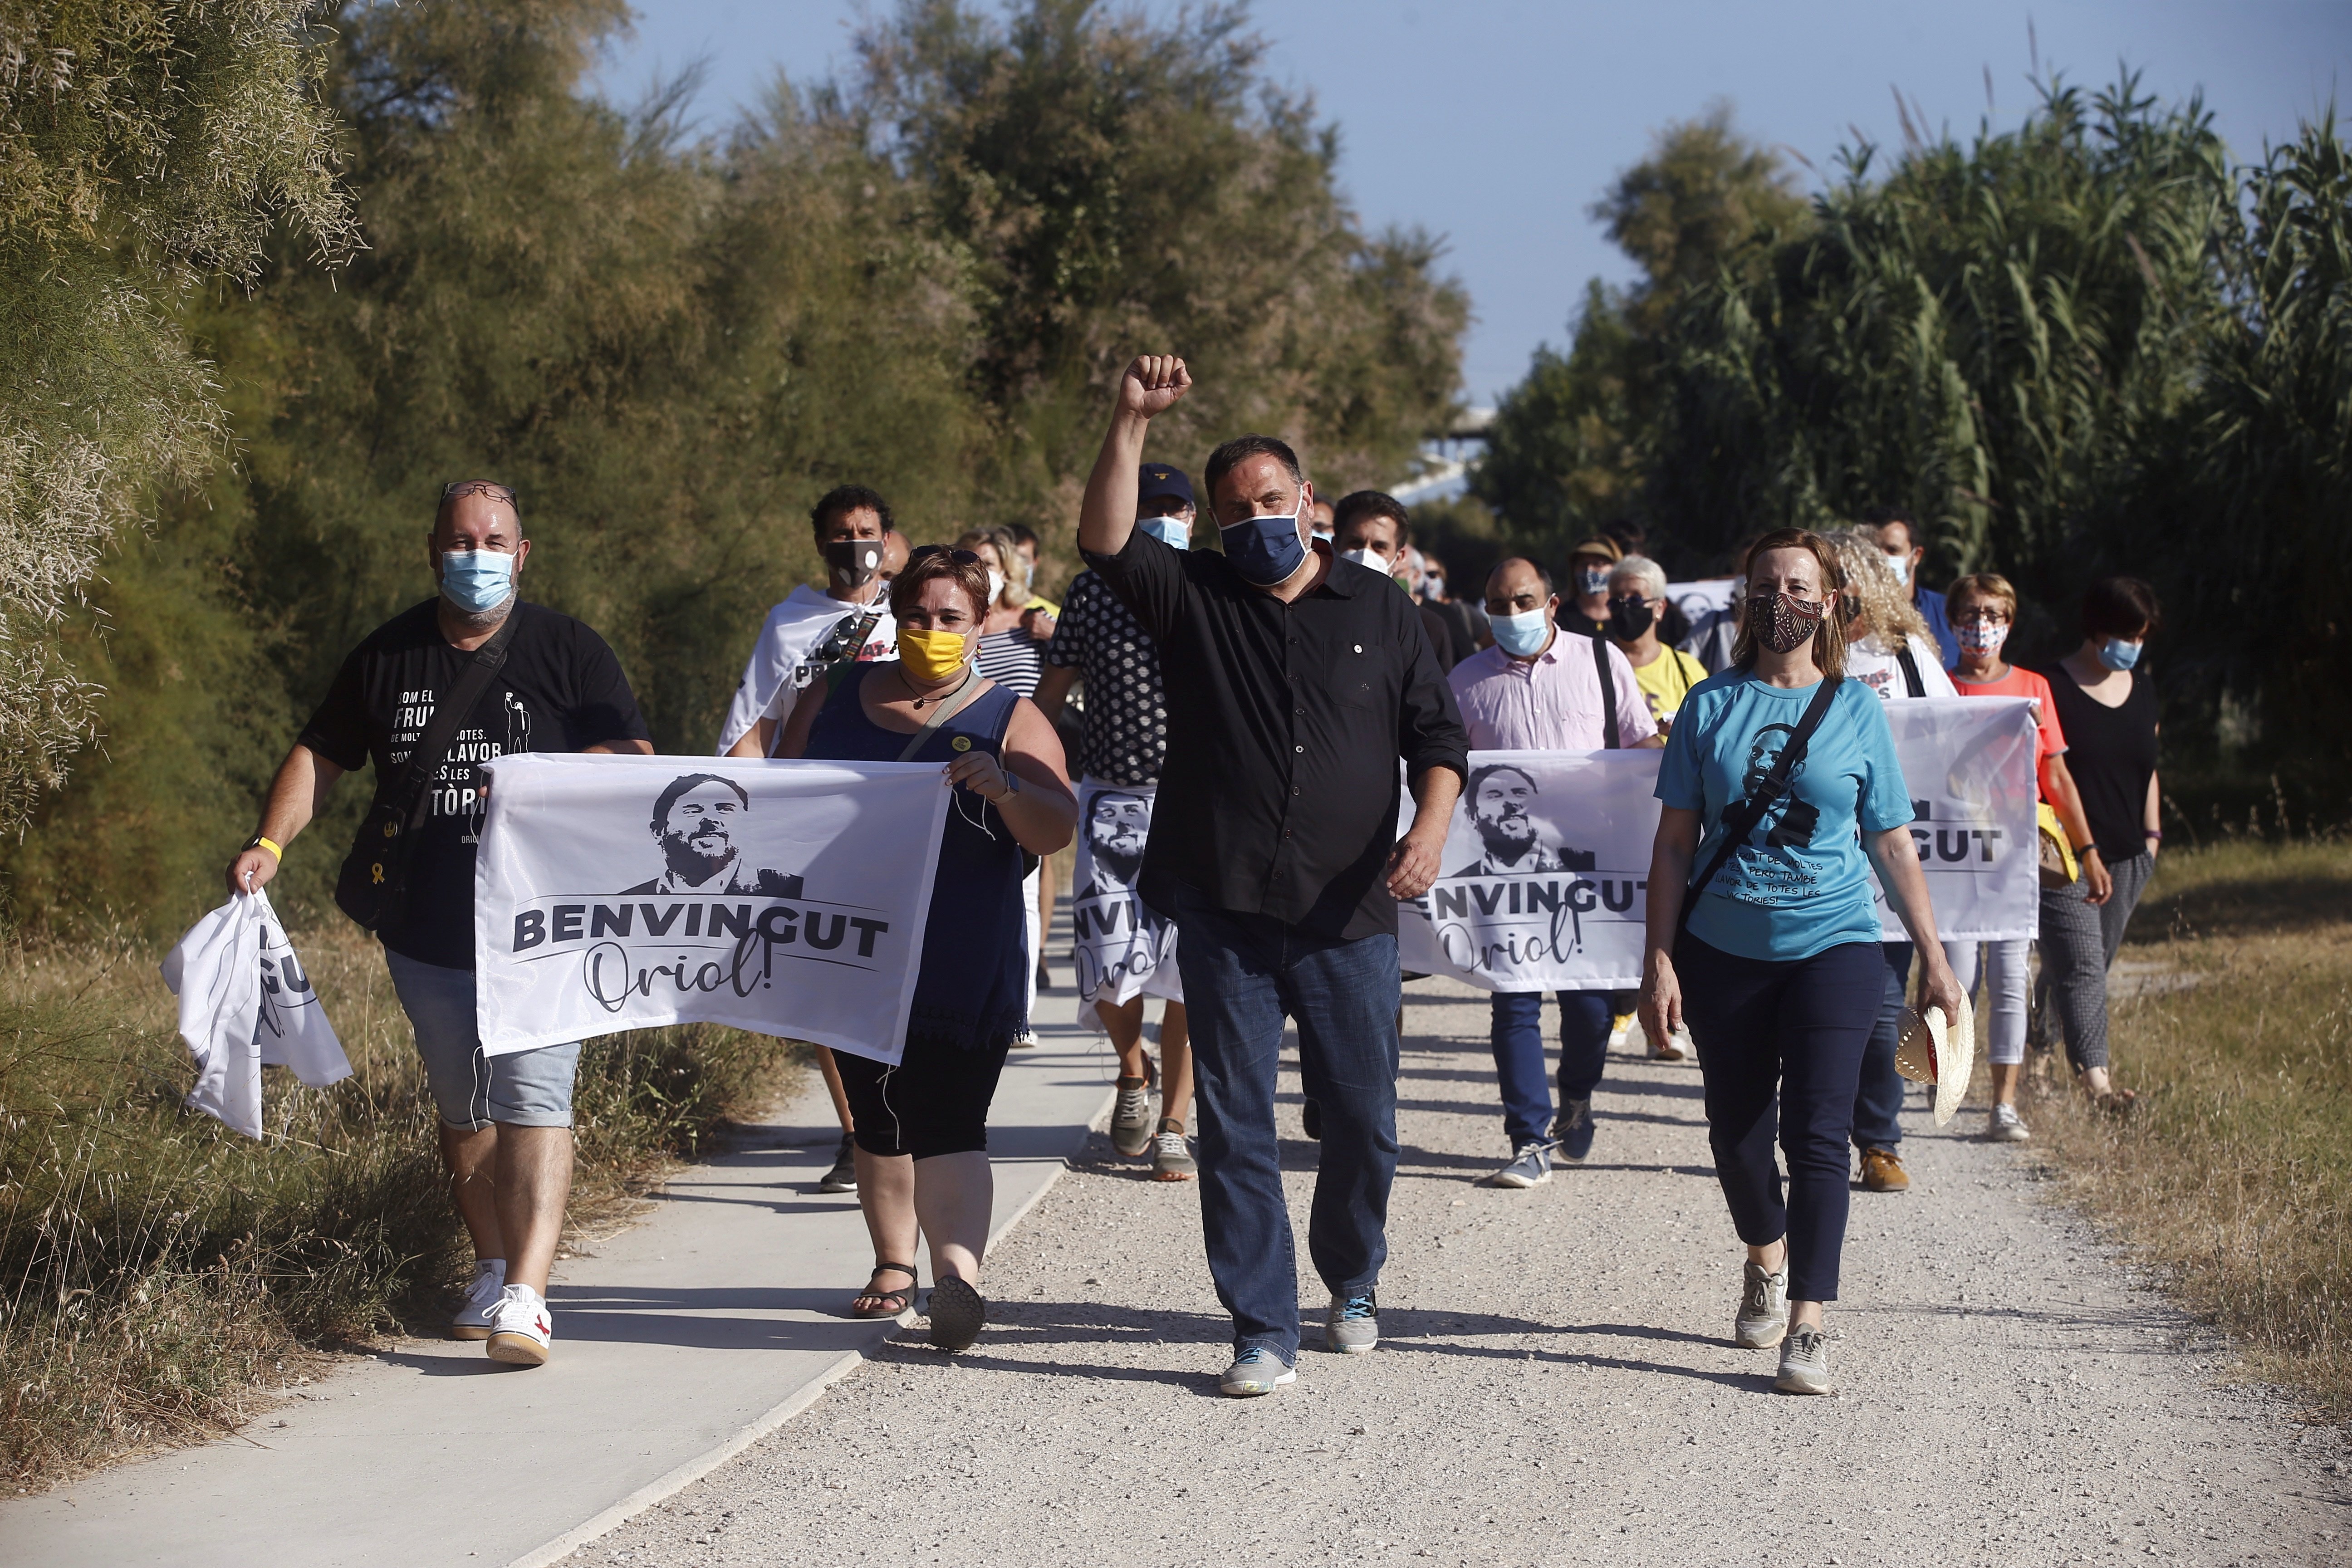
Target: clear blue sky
1497	122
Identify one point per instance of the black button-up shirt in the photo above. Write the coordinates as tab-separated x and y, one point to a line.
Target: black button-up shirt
1284	724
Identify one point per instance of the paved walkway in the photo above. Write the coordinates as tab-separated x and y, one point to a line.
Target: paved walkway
1556	1385
679	1341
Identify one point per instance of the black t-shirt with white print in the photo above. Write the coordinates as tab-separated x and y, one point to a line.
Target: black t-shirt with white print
561	690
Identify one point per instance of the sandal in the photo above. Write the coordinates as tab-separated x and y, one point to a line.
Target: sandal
893	1302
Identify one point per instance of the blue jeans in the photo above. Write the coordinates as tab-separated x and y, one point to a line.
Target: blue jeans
1242	974
1516	1032
1878	1098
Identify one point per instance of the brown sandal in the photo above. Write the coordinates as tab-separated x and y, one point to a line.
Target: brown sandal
896	1302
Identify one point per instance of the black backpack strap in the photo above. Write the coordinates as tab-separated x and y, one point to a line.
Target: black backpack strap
1741	820
1608	692
448	718
1911	682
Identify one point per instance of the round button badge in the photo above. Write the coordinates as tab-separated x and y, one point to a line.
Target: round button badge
961	742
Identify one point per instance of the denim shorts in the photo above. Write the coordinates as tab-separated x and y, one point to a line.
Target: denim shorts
522	1088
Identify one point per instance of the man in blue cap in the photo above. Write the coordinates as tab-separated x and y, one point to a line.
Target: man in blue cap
1125	952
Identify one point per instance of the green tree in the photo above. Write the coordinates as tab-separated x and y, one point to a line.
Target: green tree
1575	443
144	145
1116	185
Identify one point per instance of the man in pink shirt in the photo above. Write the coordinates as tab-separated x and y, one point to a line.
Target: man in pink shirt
1539	688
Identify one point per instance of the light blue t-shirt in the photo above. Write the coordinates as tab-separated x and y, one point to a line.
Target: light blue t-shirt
1801	883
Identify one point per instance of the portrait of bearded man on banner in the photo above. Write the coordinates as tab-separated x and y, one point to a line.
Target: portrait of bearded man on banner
1118	822
1497	803
695	822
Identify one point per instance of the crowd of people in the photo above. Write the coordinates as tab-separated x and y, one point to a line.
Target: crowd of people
1278	687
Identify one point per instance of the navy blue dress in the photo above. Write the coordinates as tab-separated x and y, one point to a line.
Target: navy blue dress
972	991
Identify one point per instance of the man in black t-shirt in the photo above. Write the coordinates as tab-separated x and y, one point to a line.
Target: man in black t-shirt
506	1120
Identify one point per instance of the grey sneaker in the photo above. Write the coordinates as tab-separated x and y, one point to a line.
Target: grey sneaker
843	1177
1763	1320
1131	1119
1572	1130
1254	1372
1530	1166
1171	1158
1805	1363
1353	1325
2008	1126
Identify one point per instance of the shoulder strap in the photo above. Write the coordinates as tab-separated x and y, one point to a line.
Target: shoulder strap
1741	820
1608	692
950	704
448	717
1916	686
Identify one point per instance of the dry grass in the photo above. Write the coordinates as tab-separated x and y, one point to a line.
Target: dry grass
2234	1177
159	1274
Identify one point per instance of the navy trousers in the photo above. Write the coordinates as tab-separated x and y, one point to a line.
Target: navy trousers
1878	1097
1516	1032
1779	1048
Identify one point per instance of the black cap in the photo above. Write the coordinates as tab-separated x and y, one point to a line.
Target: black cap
1160	479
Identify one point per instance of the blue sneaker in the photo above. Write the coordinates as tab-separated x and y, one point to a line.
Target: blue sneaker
1353	1325
1571	1130
1254	1372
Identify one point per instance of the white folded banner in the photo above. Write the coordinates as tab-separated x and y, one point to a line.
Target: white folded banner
1544	882
1121	949
787	898
246	1003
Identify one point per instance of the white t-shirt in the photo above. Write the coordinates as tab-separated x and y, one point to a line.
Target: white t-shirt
1873	662
779	669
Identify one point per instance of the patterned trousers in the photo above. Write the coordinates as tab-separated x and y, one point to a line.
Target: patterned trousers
2078	944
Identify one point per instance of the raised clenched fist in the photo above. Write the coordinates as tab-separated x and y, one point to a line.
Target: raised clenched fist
1152	384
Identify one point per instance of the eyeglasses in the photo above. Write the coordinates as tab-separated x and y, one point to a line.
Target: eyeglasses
1987	617
457	489
960	557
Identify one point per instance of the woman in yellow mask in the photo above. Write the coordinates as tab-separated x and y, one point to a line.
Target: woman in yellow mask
922	1126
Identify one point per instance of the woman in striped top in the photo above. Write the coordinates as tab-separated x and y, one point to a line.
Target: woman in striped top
1012	653
1012	639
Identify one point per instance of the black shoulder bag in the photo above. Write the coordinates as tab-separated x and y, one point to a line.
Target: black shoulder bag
1608	692
373	882
1741	820
1911	682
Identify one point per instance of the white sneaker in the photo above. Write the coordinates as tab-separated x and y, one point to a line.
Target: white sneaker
489	1283
1672	1048
2008	1126
522	1328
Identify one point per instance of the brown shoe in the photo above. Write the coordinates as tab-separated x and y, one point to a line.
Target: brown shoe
1881	1171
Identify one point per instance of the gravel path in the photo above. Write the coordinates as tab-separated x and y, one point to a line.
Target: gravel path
1555	1383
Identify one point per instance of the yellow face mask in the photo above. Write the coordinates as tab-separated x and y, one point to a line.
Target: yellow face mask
931	656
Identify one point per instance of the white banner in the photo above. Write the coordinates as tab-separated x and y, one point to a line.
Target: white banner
1121	949
1970	764
1541	887
1544	882
787	898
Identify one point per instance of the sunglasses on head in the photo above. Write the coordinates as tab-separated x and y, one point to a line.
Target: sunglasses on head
960	557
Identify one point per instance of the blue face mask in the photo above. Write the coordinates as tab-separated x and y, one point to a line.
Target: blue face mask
1171	532
1521	636
1265	550
476	580
2119	655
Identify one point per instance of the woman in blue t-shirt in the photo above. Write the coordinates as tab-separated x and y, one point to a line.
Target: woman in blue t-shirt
1777	970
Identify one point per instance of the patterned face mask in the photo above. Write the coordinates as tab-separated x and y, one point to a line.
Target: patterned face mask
1782	622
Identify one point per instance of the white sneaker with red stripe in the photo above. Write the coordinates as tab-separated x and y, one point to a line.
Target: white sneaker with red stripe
482	1296
522	1328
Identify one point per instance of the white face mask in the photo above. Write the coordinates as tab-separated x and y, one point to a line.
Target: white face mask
1368	559
1901	566
995	584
